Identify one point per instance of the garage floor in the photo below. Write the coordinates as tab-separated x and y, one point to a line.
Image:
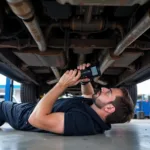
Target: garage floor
132	136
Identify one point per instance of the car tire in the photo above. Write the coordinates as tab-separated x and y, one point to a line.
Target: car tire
140	115
133	92
28	93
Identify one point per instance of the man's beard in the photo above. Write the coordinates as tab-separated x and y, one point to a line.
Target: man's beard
97	101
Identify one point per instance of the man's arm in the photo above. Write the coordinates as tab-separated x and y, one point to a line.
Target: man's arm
87	88
42	117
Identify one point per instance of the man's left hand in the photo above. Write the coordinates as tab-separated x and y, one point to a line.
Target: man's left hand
70	78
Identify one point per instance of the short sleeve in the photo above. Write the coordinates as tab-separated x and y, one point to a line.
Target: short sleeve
78	123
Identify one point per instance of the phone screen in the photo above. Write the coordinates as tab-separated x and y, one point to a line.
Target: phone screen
94	71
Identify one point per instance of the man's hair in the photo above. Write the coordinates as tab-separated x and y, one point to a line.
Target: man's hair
124	109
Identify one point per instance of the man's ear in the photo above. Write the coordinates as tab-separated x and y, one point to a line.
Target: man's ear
109	108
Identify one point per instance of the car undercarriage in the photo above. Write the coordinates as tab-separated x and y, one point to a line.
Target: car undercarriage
40	40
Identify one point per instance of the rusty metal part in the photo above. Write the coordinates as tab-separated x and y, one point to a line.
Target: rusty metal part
97	80
142	26
26	74
79	24
88	15
92	43
103	2
33	57
83	50
24	10
15	44
50	82
139	74
119	27
85	45
49	29
88	25
142	45
127	58
59	43
56	72
81	59
138	30
107	61
57	75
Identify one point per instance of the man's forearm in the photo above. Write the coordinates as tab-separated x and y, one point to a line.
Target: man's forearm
87	89
44	107
41	116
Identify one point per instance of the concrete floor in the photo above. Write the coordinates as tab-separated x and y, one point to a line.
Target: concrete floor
132	136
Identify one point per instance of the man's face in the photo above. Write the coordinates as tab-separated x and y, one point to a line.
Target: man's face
105	96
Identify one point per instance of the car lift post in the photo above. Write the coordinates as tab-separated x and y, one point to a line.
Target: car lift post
8	89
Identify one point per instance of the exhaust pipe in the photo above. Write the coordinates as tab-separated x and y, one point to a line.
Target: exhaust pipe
108	60
88	15
24	10
57	75
142	26
56	72
137	31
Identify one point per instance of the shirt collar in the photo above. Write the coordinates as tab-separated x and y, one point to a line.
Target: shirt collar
97	118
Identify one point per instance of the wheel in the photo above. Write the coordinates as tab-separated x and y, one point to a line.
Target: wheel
28	93
135	116
1	123
133	92
140	115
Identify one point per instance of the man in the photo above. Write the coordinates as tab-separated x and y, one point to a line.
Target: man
71	116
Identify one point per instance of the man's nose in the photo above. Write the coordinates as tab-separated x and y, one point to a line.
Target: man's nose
104	89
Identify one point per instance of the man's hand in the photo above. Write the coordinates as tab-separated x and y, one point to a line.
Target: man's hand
83	67
86	87
70	78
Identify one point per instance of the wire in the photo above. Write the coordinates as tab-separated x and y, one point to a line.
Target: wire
5	37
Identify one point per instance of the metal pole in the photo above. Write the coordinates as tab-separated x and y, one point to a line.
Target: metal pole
11	90
7	90
142	26
88	15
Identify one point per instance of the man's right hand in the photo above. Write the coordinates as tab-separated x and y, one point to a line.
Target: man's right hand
70	78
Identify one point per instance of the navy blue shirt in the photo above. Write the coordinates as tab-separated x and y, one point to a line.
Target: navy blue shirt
80	118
